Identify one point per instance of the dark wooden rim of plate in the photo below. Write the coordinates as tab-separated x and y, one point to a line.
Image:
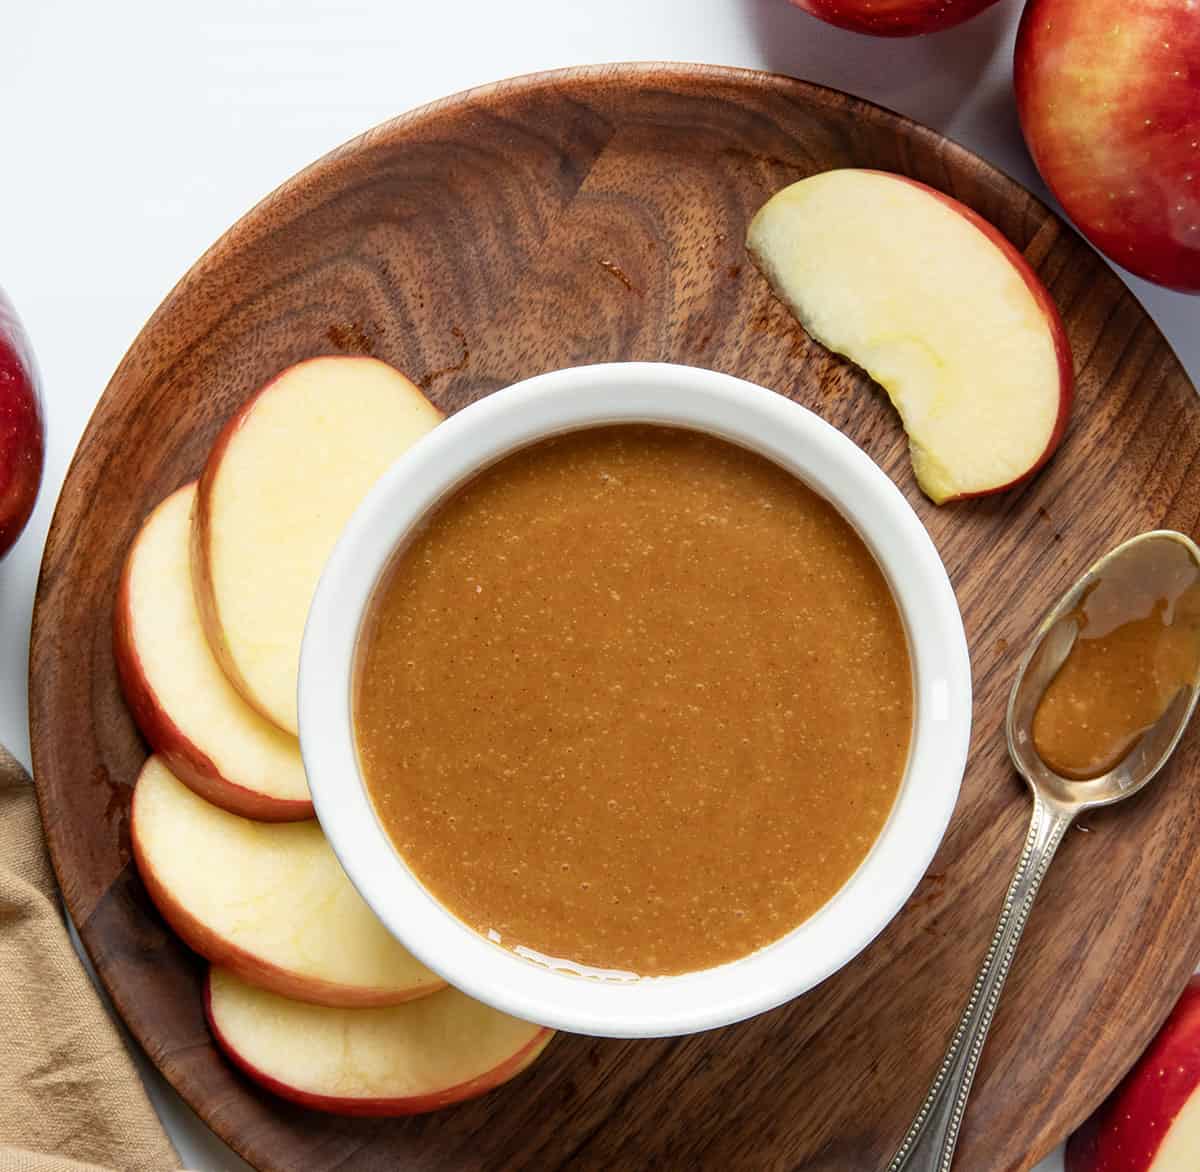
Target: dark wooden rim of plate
831	1080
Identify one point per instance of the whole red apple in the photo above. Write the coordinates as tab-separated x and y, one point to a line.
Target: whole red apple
1109	97
894	18
1151	1122
22	432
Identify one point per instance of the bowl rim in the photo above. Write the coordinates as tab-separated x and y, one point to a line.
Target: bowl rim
819	455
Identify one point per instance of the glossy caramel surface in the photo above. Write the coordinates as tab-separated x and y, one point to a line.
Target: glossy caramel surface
635	699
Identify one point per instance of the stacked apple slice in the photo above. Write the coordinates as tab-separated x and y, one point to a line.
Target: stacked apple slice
185	706
309	994
268	901
401	1060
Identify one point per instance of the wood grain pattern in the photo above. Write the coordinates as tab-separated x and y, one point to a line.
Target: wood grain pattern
593	215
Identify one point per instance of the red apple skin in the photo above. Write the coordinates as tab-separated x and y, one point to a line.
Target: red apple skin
22	430
184	758
217	950
894	18
1108	93
1062	344
379	1108
1124	1133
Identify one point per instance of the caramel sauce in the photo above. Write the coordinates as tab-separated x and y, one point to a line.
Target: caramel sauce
1138	644
635	700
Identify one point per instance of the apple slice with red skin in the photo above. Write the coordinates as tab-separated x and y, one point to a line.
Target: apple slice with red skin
187	709
405	1060
269	900
1108	92
894	18
1151	1122
281	481
939	308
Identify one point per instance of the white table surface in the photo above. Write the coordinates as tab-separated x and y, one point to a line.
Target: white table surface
134	132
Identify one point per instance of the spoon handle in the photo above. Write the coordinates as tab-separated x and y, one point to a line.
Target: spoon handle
929	1144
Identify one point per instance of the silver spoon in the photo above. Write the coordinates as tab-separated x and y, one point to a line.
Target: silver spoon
1057	802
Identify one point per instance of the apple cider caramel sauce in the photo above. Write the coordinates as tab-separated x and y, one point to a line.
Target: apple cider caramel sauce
1137	646
633	702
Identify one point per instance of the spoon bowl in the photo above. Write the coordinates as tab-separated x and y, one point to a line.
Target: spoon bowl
1052	643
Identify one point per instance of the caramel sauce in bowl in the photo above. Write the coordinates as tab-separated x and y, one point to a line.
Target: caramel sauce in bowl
695	989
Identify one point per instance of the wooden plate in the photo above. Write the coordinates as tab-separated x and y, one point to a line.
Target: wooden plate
586	216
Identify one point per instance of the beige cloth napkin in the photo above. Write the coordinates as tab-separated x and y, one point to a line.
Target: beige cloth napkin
70	1098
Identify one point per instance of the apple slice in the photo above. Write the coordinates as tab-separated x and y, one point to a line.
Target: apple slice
280	484
938	307
399	1061
1151	1122
267	899
185	706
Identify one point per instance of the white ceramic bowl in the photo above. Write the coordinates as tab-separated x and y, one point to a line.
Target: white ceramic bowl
798	441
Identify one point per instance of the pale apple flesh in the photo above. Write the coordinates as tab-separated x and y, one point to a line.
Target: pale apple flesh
184	705
1108	92
1151	1122
403	1060
937	307
1180	1148
269	900
894	18
280	484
